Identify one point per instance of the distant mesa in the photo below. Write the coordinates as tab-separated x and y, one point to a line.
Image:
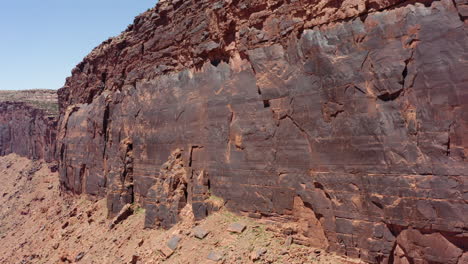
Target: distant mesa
43	99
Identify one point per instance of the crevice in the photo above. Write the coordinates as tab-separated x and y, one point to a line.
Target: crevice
395	229
192	149
390	96
231	118
105	125
404	73
266	103
447	153
334	115
359	89
65	129
306	135
94	93
299	32
137	113
179	115
104	77
318	185
81	180
259	91
379	205
448	146
365	60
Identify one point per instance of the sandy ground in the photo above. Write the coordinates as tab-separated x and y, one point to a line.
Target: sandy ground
38	224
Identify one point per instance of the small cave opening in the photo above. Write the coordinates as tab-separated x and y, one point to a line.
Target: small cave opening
266	103
215	62
218	56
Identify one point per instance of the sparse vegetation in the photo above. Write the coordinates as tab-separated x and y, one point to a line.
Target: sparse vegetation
139	210
229	217
42	99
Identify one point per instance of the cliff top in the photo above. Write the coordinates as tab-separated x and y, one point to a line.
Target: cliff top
43	99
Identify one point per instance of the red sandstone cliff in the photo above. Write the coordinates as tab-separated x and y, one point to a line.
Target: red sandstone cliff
349	117
28	121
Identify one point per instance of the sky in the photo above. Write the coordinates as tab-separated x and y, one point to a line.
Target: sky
41	41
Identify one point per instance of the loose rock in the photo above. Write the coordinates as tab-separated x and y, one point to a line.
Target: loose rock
200	232
166	251
215	256
173	242
79	256
236	228
257	254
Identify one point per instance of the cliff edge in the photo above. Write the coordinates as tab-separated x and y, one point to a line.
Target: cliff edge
345	117
28	123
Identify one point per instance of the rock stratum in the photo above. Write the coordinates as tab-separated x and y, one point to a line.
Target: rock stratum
348	118
28	123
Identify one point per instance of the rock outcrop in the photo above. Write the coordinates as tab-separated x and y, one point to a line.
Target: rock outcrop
347	117
28	123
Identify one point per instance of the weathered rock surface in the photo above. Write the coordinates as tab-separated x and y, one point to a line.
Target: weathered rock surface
347	117
28	123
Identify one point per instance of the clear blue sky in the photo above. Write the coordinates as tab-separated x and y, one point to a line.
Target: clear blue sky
42	40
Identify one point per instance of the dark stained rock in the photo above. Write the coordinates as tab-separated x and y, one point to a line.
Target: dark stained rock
347	117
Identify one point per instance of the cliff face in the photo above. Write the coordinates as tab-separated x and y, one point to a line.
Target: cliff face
28	123
347	117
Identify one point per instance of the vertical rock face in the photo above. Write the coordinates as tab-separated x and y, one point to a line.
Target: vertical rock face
28	121
347	117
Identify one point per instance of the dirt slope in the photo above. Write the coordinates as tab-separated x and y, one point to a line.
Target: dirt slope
38	224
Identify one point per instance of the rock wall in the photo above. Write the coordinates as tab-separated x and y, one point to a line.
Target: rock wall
346	117
27	131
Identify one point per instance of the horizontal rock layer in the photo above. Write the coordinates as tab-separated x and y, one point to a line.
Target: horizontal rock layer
348	117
